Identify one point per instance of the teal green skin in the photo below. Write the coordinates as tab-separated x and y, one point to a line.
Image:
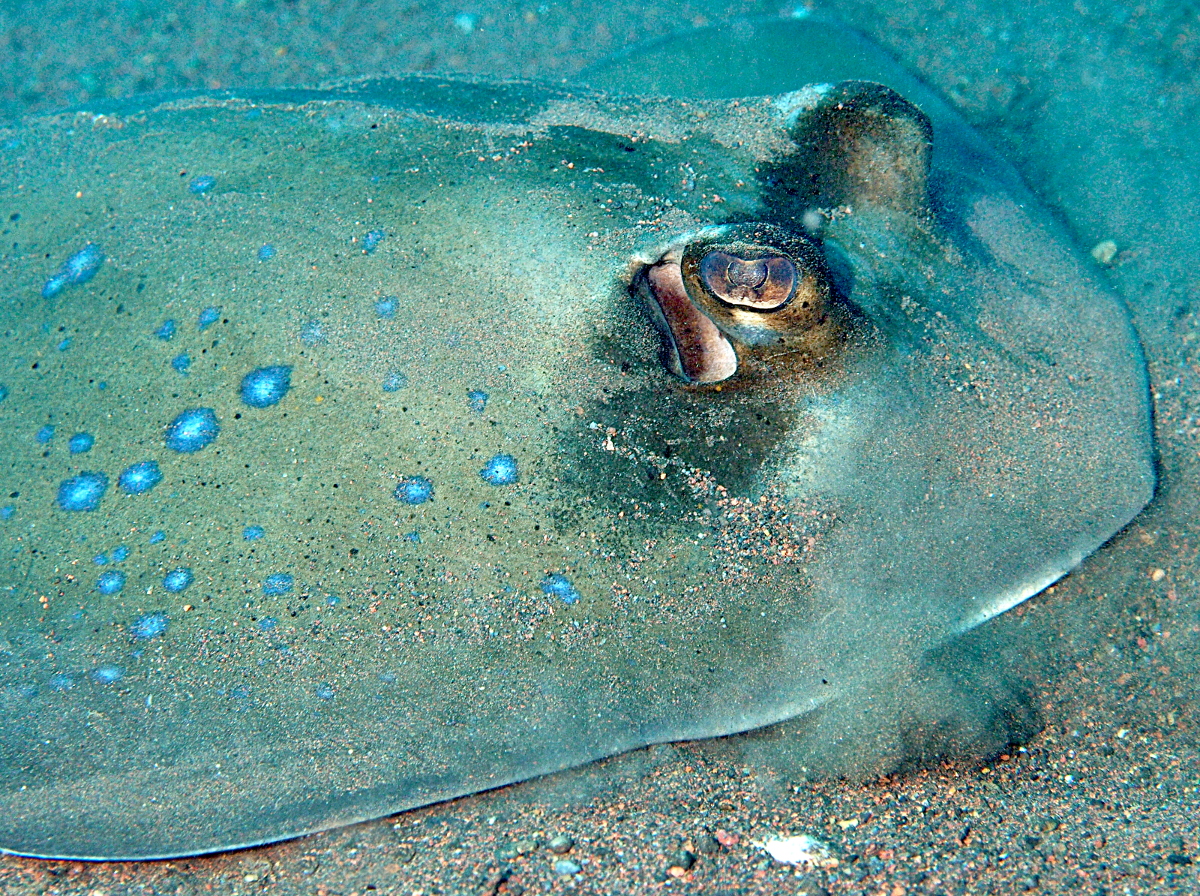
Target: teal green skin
742	553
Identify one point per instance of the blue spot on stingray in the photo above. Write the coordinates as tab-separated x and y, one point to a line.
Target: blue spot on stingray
140	477
500	470
61	681
332	600
81	443
3	391
56	284
159	535
477	400
100	559
265	386
82	492
253	533
110	582
45	434
166	330
558	585
371	240
120	552
7	511
414	537
266	252
107	674
386	307
181	363
201	184
80	267
83	265
192	430
414	490
65	344
324	691
149	625
267	623
208	317
276	584
394	381
178	579
311	333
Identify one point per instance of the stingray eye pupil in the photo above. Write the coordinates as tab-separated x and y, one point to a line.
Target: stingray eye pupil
759	284
747	273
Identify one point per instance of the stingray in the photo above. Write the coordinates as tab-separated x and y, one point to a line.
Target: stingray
368	446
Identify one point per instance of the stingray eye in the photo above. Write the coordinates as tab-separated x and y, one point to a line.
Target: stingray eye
760	284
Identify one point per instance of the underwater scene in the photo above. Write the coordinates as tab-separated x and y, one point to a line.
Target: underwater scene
769	434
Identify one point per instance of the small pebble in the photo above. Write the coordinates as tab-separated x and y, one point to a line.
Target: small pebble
681	859
560	844
1047	825
1105	252
566	866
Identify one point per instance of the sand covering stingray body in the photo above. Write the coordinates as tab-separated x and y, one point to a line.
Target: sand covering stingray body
481	530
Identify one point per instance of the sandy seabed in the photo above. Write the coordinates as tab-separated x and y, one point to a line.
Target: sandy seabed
1097	104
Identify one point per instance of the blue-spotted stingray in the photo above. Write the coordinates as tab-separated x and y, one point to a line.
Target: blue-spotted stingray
367	446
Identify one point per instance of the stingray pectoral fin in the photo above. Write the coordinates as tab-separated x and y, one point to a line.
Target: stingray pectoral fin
863	144
694	349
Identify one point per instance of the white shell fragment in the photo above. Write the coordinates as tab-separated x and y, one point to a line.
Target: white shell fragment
800	850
